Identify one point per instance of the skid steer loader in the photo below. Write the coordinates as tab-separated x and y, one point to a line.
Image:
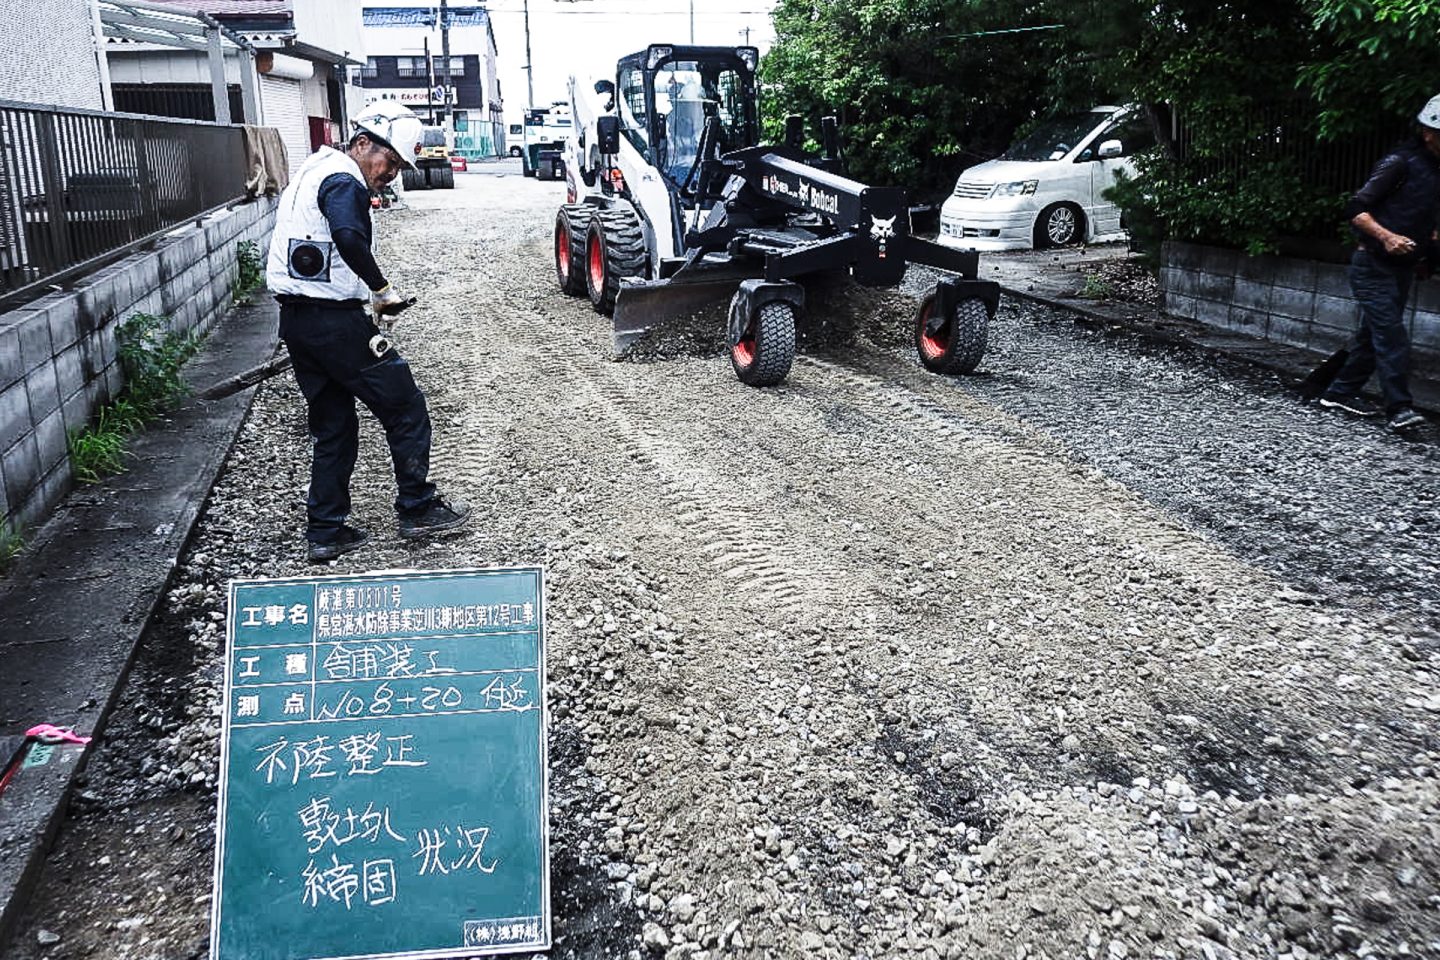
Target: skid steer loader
674	205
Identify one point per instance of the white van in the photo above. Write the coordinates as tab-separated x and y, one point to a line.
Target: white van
1045	190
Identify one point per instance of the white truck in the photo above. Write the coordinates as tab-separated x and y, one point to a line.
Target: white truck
548	131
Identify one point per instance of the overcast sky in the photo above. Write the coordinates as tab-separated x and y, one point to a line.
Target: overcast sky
587	36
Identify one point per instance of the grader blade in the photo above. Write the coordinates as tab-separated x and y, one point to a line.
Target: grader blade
643	305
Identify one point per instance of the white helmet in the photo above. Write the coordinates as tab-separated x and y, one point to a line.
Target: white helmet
1430	115
393	125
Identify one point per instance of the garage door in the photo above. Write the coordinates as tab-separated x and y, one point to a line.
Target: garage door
285	110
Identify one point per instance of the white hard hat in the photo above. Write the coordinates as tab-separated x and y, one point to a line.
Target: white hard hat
393	125
1430	114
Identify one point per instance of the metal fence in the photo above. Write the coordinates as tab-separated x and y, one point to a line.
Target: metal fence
181	101
80	187
1286	132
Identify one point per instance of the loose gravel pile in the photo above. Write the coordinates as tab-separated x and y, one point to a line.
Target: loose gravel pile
1050	662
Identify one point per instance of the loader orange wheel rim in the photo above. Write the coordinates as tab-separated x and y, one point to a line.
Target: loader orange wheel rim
597	266
933	345
744	351
562	251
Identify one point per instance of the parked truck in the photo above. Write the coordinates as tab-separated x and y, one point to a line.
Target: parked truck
547	131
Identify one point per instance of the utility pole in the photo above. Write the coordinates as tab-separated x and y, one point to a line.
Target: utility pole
746	31
429	80
529	69
445	53
692	23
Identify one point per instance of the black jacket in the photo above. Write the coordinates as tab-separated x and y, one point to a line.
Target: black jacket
1403	195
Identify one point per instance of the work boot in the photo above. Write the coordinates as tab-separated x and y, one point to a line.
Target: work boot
1404	419
346	540
1357	405
436	519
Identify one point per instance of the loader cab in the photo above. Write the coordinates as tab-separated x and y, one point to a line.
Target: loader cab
666	94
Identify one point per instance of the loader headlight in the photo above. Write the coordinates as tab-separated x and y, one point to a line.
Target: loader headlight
1019	188
658	55
750	56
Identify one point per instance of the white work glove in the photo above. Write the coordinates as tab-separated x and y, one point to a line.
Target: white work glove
385	303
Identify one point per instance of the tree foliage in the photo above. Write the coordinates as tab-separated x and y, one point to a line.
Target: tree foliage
1370	56
925	88
918	95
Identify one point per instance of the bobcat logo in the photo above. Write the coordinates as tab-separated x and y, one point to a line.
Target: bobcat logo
882	230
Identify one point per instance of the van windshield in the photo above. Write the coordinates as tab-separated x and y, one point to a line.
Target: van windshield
1054	138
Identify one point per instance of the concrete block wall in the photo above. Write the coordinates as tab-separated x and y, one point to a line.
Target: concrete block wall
58	363
1301	303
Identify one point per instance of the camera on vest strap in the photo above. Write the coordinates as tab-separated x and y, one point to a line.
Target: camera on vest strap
310	260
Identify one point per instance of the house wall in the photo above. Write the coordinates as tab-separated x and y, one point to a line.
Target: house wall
388	84
332	25
1300	303
58	361
47	54
166	66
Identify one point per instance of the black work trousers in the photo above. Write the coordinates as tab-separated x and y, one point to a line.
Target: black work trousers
1382	344
330	348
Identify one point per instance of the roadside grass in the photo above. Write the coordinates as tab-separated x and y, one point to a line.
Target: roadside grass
1095	288
250	277
11	543
151	356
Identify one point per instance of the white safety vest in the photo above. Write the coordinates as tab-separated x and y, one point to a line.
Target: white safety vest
303	260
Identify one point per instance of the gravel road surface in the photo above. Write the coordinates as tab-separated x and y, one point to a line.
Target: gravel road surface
1111	651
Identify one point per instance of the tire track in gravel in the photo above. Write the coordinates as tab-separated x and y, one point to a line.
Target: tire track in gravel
737	543
1152	542
814	727
936	421
938	409
781	658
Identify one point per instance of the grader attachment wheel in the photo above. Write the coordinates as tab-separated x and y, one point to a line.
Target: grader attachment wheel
953	344
766	347
571	224
614	249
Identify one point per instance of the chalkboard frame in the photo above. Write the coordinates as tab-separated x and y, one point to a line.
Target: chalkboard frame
448	953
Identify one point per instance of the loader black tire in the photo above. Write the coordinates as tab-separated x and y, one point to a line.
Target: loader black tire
958	346
614	249
413	179
571	225
766	350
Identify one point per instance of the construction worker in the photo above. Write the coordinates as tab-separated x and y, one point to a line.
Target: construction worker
1394	216
322	272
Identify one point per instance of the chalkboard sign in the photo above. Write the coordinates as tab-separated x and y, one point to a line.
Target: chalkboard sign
383	775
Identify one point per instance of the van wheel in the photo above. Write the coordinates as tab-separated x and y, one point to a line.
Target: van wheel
1060	225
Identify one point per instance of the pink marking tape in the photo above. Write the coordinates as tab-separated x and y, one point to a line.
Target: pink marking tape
49	733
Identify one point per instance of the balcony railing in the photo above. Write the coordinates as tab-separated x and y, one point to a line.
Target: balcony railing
80	187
